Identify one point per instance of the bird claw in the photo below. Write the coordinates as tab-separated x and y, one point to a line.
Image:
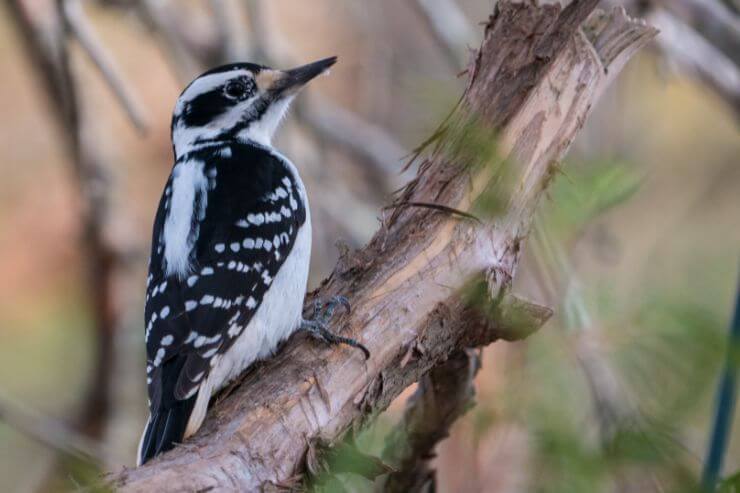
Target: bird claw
324	312
322	315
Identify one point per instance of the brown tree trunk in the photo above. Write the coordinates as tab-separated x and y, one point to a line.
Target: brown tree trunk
431	282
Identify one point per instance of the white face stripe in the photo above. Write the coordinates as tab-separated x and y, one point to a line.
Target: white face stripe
260	131
205	84
184	137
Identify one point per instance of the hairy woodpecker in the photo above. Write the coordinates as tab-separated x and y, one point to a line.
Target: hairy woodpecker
230	247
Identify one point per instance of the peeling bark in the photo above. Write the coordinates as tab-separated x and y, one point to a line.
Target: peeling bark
530	87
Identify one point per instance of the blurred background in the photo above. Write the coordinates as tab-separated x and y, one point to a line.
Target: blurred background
636	246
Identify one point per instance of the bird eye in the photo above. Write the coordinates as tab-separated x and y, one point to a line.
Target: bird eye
235	89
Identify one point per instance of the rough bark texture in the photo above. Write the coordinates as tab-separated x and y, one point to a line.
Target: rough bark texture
531	85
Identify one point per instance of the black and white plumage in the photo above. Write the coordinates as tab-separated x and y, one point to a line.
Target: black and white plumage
230	248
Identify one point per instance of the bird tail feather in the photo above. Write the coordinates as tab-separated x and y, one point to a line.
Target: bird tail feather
164	429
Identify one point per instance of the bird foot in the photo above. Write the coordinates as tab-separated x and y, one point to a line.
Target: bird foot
317	327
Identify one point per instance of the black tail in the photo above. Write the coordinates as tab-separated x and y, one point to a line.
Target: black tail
168	416
165	429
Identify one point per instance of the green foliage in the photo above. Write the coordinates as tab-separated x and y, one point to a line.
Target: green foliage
671	356
351	464
475	146
665	361
80	475
731	484
663	352
589	190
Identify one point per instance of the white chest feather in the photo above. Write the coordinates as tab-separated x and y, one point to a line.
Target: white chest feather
278	316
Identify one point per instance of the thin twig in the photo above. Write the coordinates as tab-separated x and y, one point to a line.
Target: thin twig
693	54
713	20
363	140
725	405
437	207
334	124
80	26
157	16
703	47
227	17
451	30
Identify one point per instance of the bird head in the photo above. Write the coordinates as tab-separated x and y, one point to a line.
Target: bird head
242	101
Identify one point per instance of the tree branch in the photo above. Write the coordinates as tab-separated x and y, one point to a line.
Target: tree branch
713	20
532	85
447	24
419	423
697	57
45	35
45	29
699	38
444	394
80	26
375	148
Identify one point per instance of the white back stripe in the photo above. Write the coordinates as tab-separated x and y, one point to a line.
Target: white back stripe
188	181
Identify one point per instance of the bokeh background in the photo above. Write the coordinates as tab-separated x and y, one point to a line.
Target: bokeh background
636	245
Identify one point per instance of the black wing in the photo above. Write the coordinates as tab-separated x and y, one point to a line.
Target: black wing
253	213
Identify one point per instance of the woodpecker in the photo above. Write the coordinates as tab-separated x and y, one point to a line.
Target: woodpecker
230	247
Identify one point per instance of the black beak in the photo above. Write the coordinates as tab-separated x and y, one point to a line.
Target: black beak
297	77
